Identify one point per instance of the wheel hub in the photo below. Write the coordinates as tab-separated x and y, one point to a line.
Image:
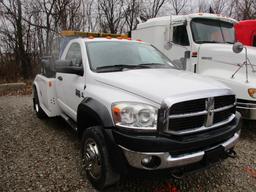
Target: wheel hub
92	160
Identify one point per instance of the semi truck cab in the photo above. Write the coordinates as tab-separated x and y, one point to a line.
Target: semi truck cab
202	43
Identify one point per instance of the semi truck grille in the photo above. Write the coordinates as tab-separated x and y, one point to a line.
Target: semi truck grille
188	117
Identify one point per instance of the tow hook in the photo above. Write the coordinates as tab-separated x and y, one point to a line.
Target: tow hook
231	153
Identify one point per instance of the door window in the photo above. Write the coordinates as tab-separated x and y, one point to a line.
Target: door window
74	54
180	35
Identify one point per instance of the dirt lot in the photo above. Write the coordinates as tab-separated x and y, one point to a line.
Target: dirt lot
38	155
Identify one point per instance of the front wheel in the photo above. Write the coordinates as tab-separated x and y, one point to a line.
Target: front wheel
96	159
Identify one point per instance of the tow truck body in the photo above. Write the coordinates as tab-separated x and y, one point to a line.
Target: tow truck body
123	98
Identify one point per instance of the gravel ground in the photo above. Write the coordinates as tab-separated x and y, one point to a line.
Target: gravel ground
44	155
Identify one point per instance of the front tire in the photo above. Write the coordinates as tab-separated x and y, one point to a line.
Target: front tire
96	159
39	111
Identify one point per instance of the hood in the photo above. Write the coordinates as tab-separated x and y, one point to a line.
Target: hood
218	60
158	84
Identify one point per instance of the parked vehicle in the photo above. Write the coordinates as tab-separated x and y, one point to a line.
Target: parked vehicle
202	43
246	32
134	108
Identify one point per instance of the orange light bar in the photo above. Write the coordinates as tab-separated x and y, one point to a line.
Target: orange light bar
89	34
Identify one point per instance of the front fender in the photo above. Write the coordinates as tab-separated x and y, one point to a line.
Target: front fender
92	112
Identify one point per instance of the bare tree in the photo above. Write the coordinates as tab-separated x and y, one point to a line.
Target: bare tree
67	14
131	13
151	8
203	6
111	13
13	12
178	5
219	6
245	9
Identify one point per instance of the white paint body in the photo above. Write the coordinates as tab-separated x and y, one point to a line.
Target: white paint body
150	86
213	60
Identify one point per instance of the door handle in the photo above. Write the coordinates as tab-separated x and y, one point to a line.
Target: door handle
60	78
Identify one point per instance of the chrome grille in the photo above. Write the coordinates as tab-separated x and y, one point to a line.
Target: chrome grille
192	116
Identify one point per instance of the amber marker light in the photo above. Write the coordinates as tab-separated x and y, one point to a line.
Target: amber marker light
252	92
116	114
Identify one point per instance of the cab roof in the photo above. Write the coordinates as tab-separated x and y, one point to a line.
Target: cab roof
165	20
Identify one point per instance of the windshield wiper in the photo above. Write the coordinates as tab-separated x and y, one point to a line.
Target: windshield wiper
120	67
154	65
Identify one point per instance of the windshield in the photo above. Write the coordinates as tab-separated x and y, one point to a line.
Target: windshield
107	56
212	31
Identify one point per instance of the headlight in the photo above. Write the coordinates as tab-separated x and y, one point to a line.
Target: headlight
252	92
134	115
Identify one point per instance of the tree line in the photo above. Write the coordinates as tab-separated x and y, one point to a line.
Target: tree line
28	27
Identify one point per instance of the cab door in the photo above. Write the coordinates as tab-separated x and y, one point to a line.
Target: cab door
180	46
70	86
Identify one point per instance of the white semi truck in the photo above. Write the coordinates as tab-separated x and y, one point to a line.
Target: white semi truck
134	109
202	43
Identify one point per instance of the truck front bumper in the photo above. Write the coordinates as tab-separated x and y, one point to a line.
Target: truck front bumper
160	152
163	160
247	109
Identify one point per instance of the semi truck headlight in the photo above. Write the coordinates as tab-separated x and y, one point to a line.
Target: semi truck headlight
134	115
252	92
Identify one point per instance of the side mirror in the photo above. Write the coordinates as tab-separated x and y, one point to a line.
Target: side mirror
64	66
238	47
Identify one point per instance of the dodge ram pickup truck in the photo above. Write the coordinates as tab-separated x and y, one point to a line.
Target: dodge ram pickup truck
133	108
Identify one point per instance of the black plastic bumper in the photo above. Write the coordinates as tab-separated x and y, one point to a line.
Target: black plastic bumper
165	143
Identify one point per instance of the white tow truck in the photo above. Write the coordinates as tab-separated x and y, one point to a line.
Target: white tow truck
202	43
133	108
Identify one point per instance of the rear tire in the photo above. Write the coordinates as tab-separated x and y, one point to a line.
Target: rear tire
96	159
39	111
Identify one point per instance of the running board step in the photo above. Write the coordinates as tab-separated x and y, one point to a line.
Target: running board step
70	121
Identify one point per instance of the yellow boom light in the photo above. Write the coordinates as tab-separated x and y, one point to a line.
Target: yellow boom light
90	35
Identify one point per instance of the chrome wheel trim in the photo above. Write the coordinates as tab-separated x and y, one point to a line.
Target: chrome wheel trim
92	158
37	107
